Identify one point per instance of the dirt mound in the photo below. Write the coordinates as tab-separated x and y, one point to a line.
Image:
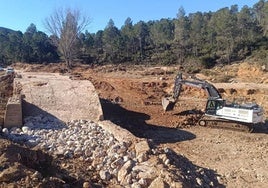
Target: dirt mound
251	72
237	72
103	86
22	166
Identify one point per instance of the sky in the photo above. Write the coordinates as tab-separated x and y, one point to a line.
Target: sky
19	14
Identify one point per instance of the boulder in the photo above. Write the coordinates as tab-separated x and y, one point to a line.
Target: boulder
158	183
142	147
125	170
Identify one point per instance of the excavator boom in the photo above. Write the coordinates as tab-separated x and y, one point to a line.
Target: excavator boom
168	103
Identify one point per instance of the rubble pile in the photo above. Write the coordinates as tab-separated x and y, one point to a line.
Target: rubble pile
110	161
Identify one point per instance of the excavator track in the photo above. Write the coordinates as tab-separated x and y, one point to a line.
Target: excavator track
212	122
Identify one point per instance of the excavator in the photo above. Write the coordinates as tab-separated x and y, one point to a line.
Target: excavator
218	112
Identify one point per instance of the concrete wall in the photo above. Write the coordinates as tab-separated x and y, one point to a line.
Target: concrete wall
13	115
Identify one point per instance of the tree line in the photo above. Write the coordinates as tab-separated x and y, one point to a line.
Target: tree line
30	47
208	38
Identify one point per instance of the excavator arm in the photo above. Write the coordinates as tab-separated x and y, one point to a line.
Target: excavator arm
168	103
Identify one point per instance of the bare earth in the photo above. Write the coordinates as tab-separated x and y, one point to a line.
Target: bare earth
130	97
240	158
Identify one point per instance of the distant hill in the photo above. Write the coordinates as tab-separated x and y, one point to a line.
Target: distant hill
5	31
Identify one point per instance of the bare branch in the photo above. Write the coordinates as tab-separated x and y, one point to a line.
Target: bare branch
66	26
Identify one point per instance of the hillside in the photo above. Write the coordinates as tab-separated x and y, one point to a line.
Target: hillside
6	31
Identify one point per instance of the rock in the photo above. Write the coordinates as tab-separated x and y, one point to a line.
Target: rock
220	179
88	152
167	162
263	68
77	151
142	157
158	183
31	143
13	130
143	182
25	129
60	151
5	131
36	175
136	185
86	141
167	150
124	170
146	171
105	175
11	174
127	180
87	184
178	184
199	181
125	158
142	147
118	163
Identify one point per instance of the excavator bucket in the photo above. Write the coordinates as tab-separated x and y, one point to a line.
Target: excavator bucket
168	103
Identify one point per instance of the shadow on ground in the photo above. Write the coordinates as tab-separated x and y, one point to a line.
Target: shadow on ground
261	128
135	122
192	175
31	110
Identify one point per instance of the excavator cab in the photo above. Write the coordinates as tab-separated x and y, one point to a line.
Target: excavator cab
214	104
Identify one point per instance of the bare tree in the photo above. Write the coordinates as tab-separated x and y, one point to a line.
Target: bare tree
65	26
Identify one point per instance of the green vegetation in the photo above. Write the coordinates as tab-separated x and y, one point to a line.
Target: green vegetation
208	39
31	47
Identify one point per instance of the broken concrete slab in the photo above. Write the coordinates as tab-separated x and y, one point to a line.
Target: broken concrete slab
59	96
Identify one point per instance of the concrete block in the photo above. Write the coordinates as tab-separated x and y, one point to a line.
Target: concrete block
13	115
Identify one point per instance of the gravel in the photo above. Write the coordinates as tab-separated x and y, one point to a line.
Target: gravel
81	139
113	161
72	139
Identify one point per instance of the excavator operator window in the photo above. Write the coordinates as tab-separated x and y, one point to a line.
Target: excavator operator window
211	107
